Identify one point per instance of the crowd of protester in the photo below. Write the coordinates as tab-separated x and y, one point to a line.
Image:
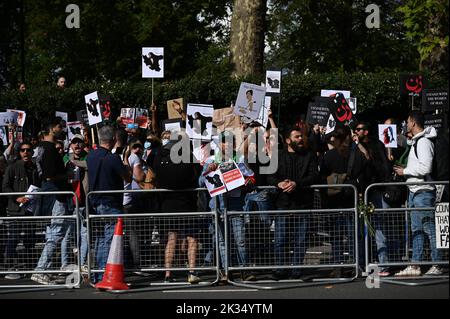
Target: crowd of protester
133	159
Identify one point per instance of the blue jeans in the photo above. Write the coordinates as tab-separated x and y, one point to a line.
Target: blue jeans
53	234
13	230
65	244
422	222
284	225
263	203
104	235
376	197
342	238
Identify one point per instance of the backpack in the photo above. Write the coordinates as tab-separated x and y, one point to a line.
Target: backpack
439	170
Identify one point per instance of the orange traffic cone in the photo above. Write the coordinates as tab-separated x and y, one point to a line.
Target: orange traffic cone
113	276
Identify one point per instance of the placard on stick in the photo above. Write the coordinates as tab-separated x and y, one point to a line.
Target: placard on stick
93	108
273	81
153	62
387	134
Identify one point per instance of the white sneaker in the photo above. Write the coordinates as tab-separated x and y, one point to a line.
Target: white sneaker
41	278
84	269
434	271
14	275
409	271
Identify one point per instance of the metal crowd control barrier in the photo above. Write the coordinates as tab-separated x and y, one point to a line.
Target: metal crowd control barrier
146	238
388	240
23	240
274	248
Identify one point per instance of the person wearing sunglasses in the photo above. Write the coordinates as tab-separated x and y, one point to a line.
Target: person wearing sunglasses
18	178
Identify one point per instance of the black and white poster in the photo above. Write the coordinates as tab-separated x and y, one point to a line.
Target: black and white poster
250	100
331	125
441	224
93	108
74	128
199	121
82	116
434	99
318	113
263	117
273	81
352	103
152	62
438	121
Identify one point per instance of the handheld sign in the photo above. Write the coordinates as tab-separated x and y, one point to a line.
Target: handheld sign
93	108
434	99
250	100
273	81
199	121
412	84
441	224
153	62
387	134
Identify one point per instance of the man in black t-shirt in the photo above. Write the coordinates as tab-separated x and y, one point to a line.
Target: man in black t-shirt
53	178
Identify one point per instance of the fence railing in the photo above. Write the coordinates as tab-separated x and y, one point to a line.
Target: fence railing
403	236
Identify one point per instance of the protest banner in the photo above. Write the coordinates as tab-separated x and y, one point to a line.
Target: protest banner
21	116
152	62
74	128
171	112
387	134
250	100
93	108
441	224
199	119
412	84
273	81
434	99
7	118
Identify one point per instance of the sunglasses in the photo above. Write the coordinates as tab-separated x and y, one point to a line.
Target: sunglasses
59	148
26	150
359	129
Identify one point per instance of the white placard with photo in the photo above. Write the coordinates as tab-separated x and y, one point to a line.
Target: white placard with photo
263	117
250	100
273	81
331	124
93	108
199	121
21	116
232	175
388	135
3	135
74	128
352	103
172	127
152	62
7	118
327	93
214	183
63	115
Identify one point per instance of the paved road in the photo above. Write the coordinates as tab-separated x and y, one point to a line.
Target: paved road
352	290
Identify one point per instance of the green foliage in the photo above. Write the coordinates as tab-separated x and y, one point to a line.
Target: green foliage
107	46
427	26
374	91
331	35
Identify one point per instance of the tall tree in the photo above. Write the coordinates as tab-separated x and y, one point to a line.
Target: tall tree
107	45
331	35
247	37
427	25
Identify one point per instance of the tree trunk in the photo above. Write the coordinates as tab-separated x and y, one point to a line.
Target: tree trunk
247	37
